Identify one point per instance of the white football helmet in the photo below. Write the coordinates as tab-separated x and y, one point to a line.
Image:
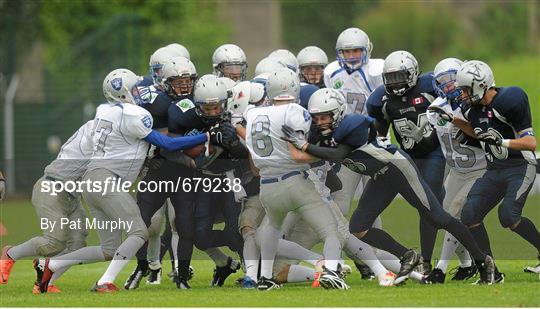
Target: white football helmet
210	97
118	84
400	72
229	83
286	57
444	78
156	63
353	38
311	63
474	78
257	94
267	65
283	85
239	101
230	61
179	50
328	100
178	76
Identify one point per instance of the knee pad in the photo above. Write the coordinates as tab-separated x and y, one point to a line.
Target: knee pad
48	246
248	232
154	228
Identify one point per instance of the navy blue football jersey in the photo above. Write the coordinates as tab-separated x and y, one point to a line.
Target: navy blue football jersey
508	114
156	102
412	106
146	81
353	130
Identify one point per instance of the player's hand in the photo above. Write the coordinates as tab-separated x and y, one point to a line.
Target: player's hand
297	138
2	189
229	136
413	131
490	139
441	113
383	141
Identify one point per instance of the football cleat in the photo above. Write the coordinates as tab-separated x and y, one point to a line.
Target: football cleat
43	274
533	269
265	284
50	289
499	278
154	276
387	279
365	271
6	263
182	283
248	283
487	271
408	262
332	280
136	276
191	273
463	273
222	273
435	276
424	267
107	287
345	271
316	280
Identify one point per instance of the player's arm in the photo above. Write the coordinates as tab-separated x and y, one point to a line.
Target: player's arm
300	156
464	126
335	155
175	143
525	141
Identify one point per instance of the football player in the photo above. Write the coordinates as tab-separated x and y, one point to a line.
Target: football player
501	119
69	165
402	103
121	130
230	61
278	171
311	63
392	171
466	162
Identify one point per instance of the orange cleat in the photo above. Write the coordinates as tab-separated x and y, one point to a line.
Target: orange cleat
50	289
316	283
6	263
107	287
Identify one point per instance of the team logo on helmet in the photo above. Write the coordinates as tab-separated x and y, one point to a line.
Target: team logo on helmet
117	83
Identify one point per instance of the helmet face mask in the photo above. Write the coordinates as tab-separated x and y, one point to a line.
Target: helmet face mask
179	86
237	71
230	61
397	82
210	97
474	79
353	58
212	112
445	85
312	74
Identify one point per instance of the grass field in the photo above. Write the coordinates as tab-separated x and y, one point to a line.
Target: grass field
519	290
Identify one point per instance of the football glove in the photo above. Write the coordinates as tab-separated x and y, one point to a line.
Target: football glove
490	139
413	131
441	113
297	138
229	136
383	141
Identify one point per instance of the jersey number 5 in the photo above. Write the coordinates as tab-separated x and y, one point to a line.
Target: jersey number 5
401	124
262	143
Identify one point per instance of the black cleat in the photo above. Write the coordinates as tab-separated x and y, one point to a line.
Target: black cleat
365	271
154	276
265	284
222	273
487	271
182	283
43	274
424	267
435	276
409	261
136	276
463	273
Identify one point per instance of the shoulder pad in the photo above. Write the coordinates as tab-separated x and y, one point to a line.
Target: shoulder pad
375	67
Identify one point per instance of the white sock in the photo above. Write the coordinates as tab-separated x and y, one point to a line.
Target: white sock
268	238
300	273
377	223
57	275
292	250
174	245
121	258
217	256
464	257
154	248
361	251
84	255
450	245
25	249
332	252
251	256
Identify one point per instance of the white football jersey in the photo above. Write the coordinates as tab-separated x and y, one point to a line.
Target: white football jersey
117	138
74	156
356	87
462	158
269	152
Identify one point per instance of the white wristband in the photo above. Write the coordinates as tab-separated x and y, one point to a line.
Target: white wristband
505	143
